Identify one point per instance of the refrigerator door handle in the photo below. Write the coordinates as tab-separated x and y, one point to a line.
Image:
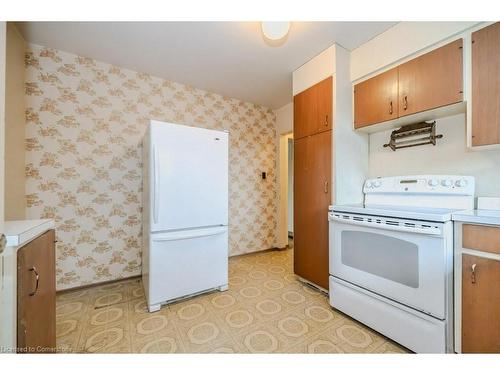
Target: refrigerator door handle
184	235
155	185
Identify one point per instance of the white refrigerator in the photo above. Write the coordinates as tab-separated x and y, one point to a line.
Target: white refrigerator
185	214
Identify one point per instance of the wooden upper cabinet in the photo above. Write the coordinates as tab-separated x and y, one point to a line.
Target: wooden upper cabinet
480	305
427	82
432	80
312	109
486	86
376	99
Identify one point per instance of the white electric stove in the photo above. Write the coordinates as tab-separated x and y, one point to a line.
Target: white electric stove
391	258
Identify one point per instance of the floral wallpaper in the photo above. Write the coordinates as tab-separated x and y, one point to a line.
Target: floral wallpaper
85	121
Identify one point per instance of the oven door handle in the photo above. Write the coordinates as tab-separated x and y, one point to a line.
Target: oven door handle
431	231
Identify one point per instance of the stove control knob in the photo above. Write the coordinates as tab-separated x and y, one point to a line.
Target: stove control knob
461	183
433	182
369	184
447	182
377	183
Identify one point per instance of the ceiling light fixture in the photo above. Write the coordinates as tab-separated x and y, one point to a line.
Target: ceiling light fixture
275	30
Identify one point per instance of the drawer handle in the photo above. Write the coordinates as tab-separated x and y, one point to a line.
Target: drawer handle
390	108
473	275
326	120
37	276
326	187
405	103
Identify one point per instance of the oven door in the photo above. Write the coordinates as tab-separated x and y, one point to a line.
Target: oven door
404	260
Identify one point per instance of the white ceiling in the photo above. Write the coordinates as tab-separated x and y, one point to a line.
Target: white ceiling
228	58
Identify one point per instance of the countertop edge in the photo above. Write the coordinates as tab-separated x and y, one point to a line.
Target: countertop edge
27	231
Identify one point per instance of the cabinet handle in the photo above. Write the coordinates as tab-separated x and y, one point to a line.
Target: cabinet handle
326	120
405	103
37	276
390	108
326	187
473	275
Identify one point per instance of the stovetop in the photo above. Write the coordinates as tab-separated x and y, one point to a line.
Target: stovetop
440	215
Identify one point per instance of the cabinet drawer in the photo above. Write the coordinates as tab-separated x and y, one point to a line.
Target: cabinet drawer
481	237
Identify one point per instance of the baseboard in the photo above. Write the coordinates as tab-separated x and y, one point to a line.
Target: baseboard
96	284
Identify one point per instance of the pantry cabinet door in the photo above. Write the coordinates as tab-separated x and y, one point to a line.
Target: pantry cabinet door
312	196
376	99
486	86
312	109
432	80
480	305
36	295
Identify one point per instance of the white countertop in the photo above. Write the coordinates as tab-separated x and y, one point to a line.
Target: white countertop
20	232
488	217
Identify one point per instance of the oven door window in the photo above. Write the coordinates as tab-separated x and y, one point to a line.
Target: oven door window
388	257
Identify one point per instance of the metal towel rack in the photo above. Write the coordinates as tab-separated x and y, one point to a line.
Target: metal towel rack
399	137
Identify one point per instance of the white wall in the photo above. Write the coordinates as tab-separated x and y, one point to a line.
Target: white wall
449	156
315	70
284	118
350	148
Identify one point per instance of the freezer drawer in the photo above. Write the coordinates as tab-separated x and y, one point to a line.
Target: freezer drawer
186	262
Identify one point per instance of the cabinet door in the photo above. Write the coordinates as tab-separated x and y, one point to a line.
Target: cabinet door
312	109
486	86
432	80
312	195
480	305
376	99
36	297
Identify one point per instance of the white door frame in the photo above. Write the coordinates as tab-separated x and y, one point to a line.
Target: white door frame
282	237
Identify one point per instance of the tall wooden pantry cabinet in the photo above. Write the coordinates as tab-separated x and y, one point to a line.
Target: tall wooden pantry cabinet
312	181
330	159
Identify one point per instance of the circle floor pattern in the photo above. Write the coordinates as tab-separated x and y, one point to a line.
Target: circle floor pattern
261	342
106	316
151	324
268	307
239	318
162	345
191	311
354	336
293	327
203	333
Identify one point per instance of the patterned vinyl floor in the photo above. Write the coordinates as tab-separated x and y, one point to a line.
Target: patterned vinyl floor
265	310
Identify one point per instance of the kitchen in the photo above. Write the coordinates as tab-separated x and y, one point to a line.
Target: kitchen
146	215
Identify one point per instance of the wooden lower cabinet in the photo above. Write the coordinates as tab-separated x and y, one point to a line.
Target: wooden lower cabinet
312	196
480	304
36	295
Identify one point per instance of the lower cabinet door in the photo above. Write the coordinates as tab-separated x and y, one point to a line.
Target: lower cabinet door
312	196
36	295
480	305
